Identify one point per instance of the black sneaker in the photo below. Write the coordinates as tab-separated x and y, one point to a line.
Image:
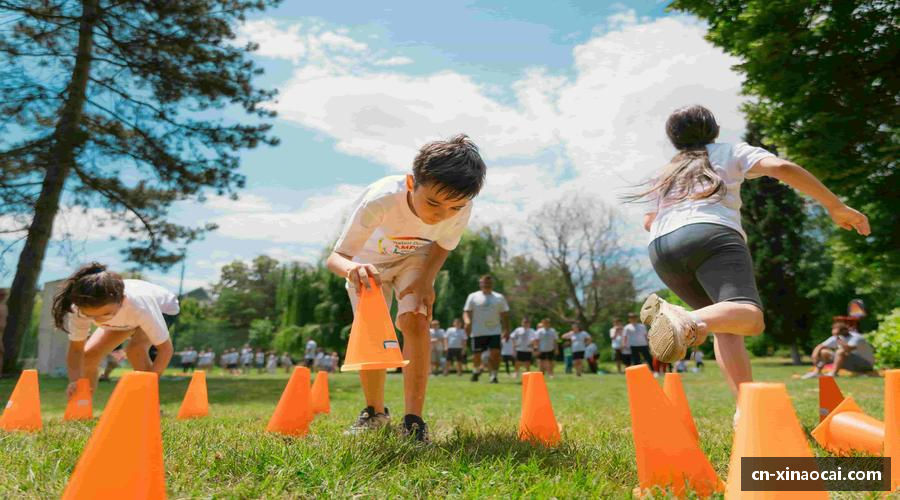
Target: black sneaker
416	428
475	376
369	419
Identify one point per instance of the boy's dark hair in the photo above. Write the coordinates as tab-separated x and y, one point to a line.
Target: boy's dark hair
454	166
842	327
90	286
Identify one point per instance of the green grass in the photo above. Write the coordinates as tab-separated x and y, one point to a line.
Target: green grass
475	452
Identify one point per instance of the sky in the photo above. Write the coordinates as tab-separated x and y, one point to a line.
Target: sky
562	97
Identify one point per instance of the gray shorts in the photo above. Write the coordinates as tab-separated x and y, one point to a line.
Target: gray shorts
705	264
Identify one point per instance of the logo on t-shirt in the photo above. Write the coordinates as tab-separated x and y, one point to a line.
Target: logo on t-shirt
400	245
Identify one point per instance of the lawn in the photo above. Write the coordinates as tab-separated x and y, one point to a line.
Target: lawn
475	452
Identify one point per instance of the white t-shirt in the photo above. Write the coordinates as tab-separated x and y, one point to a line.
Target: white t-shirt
246	357
697	356
858	342
437	338
259	358
188	356
590	350
522	338
383	228
637	334
485	311
506	347
732	162
456	338
578	339
207	358
547	339
143	307
616	340
310	352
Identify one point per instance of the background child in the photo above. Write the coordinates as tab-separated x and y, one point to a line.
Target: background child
456	345
578	338
548	346
524	340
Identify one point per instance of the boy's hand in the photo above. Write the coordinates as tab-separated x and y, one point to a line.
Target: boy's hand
423	290
359	275
849	218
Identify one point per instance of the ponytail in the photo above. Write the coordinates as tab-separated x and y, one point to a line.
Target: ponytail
92	286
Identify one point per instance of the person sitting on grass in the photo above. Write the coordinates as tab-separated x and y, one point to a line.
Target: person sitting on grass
132	310
845	349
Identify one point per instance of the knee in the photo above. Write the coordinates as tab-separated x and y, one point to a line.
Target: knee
92	358
136	347
757	320
412	323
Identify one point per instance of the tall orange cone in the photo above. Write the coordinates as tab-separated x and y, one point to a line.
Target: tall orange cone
124	456
373	342
292	415
892	424
668	456
830	396
674	390
767	427
538	422
847	428
23	410
196	402
80	405
321	403
526	377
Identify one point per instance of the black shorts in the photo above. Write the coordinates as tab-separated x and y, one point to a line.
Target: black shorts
577	354
507	357
549	355
454	354
524	356
705	264
485	342
231	366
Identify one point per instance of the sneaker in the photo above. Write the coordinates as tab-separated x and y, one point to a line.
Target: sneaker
369	419
475	376
808	375
416	428
494	379
672	331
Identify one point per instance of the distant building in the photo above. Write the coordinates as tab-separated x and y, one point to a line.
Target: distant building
200	295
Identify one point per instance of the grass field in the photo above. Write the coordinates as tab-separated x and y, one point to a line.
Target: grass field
474	452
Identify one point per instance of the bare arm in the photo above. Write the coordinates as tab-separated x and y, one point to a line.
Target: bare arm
648	220
74	364
424	285
358	274
800	179
504	319
164	353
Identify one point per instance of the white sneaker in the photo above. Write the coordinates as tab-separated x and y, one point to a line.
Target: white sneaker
809	375
672	331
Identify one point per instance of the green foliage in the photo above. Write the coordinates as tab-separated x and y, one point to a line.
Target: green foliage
479	252
245	293
262	332
886	341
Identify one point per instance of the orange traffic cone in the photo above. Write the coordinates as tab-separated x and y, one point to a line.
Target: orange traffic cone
538	422
196	402
526	377
124	456
675	392
668	456
292	415
892	423
321	403
848	428
23	410
767	427
373	342
829	396
80	406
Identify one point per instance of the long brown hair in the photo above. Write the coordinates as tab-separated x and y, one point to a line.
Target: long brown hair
90	286
689	129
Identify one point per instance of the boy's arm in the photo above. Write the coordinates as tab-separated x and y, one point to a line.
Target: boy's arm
164	353
648	220
424	286
74	364
800	179
358	274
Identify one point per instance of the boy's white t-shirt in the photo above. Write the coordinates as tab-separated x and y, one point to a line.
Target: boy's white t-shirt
522	338
310	352
383	228
590	350
858	342
547	339
578	340
731	161
143	307
616	341
506	347
259	357
437	338
456	338
636	334
485	310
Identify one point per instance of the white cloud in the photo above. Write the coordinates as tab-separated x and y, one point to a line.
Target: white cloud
247	202
394	61
275	42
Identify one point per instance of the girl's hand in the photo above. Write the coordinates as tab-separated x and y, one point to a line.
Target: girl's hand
70	389
849	218
359	275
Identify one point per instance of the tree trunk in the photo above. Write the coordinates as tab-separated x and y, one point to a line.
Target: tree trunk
58	163
796	357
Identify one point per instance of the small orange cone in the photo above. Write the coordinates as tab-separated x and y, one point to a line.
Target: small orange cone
667	455
80	405
373	342
526	377
124	456
847	428
538	422
321	403
292	415
674	390
196	402
767	427
892	424
23	410
829	396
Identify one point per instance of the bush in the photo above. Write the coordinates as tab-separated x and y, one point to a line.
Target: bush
886	341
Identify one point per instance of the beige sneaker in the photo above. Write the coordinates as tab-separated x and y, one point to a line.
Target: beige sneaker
672	331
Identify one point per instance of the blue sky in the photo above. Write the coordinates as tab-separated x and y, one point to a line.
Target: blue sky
562	97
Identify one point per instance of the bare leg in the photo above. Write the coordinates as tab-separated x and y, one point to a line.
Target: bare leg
98	346
417	349
476	361
732	317
732	357
372	382
839	357
578	367
494	364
